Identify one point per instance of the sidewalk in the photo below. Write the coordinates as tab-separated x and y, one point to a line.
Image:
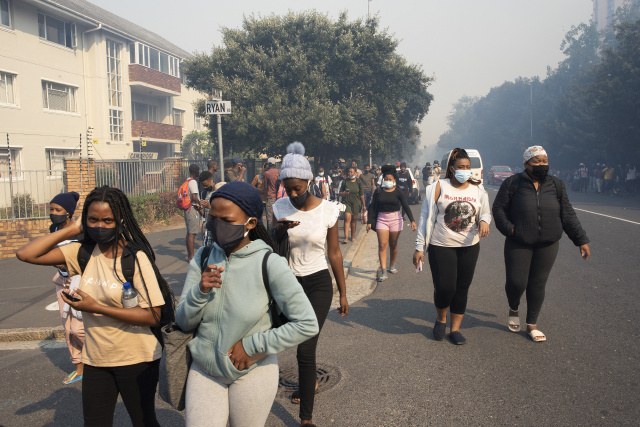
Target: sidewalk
27	289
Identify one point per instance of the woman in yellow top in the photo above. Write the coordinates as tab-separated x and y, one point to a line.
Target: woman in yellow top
121	355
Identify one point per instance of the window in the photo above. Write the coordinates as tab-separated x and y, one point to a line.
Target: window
114	74
55	157
132	53
178	117
116	125
7	93
197	122
611	9
5	18
164	63
153	58
56	31
58	97
16	163
145	112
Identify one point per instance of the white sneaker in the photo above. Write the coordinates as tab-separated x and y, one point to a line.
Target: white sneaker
392	269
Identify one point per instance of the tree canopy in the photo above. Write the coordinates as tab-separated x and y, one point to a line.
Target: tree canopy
585	110
336	86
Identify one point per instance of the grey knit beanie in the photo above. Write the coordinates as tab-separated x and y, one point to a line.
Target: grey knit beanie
295	164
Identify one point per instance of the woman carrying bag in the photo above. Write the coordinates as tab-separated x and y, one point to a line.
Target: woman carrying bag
234	374
384	213
455	215
121	354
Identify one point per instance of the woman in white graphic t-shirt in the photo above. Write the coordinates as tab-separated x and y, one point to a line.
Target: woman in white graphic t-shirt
455	215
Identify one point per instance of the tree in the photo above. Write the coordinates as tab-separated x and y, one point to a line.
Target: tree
337	86
198	145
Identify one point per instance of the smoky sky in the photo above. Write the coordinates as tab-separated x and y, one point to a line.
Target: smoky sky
469	46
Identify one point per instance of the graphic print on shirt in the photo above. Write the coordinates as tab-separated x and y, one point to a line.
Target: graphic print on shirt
459	215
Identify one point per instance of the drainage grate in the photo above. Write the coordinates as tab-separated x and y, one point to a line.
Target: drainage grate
328	376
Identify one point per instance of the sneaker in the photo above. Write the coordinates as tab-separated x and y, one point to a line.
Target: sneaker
382	275
392	269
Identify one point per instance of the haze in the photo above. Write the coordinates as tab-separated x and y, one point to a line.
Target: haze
468	45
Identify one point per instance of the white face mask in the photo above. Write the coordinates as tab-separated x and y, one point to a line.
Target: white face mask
388	184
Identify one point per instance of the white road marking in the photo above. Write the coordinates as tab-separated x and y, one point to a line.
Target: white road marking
596	213
53	307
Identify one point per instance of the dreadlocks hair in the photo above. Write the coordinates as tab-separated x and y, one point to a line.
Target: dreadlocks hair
456	154
259	232
128	232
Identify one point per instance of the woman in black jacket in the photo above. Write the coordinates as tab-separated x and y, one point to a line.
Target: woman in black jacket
531	210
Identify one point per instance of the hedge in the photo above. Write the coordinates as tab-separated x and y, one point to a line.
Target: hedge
153	208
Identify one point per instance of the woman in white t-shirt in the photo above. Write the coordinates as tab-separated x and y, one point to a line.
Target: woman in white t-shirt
455	215
315	224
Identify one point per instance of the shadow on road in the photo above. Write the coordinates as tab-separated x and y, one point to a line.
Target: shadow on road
66	402
283	415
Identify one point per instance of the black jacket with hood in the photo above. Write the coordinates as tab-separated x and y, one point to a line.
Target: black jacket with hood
536	217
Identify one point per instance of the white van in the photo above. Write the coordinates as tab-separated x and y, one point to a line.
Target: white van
476	164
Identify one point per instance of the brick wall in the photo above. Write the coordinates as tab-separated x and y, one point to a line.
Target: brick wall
140	73
155	130
80	177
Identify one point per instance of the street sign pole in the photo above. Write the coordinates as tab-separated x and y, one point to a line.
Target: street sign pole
221	165
219	107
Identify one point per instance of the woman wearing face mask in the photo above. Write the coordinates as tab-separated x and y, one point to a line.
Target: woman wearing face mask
121	355
531	210
234	375
352	194
455	215
315	226
61	209
323	182
385	215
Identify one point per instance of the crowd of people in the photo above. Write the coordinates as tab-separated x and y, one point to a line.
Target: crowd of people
260	282
602	178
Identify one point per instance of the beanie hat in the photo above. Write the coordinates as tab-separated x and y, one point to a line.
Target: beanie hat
244	195
295	164
67	200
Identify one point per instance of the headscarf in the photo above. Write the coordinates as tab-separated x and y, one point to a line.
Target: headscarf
244	195
533	151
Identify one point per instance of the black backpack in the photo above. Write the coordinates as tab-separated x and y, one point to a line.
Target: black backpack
277	318
128	264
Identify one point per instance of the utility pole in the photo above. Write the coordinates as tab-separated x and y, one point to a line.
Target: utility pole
531	110
368	9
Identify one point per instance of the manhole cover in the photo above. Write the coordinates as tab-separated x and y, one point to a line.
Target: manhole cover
328	376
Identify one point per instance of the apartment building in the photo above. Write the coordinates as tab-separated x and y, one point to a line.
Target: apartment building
604	11
69	69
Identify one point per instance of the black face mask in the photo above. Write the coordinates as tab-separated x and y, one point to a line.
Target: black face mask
58	219
299	201
226	235
539	172
101	235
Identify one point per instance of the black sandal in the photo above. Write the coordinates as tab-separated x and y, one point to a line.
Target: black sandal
296	395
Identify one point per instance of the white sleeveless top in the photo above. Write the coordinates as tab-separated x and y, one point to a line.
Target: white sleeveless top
458	212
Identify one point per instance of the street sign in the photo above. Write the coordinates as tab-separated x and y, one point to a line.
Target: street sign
143	156
218	107
144	143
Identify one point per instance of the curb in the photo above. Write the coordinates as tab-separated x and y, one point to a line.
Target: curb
347	261
32	334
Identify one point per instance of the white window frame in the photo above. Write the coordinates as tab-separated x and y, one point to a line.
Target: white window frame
151	112
116	130
197	121
70	27
8	14
59	153
114	57
143	57
16	156
181	115
72	90
3	79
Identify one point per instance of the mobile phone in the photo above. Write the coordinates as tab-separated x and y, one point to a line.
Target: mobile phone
286	221
419	268
68	295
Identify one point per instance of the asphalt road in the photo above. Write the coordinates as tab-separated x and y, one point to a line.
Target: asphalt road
392	373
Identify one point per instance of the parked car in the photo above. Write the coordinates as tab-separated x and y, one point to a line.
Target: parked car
497	174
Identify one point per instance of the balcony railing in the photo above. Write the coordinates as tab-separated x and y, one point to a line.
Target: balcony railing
155	130
139	74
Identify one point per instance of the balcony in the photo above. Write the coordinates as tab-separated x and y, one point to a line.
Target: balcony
156	131
147	81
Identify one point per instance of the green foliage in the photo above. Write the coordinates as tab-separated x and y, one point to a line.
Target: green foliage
154	208
198	145
23	206
587	109
337	86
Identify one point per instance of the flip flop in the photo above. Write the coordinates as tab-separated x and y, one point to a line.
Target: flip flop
513	323
296	395
537	336
71	378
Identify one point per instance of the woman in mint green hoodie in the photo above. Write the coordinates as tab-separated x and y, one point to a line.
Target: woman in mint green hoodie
234	374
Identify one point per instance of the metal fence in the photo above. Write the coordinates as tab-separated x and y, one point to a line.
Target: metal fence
137	178
26	194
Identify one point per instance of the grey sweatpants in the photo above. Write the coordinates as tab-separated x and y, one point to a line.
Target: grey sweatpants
247	401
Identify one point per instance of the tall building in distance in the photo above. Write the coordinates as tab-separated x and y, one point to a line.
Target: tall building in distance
69	68
604	11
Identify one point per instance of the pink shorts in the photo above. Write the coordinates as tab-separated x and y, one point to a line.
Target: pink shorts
391	221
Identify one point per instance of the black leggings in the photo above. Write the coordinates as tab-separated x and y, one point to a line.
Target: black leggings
528	268
319	289
452	272
135	383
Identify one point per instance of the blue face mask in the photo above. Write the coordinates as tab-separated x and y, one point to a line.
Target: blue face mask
388	184
463	175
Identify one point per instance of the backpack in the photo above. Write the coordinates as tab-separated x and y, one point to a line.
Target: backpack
128	264
184	198
277	318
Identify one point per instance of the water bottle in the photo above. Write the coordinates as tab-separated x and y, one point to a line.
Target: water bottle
129	296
